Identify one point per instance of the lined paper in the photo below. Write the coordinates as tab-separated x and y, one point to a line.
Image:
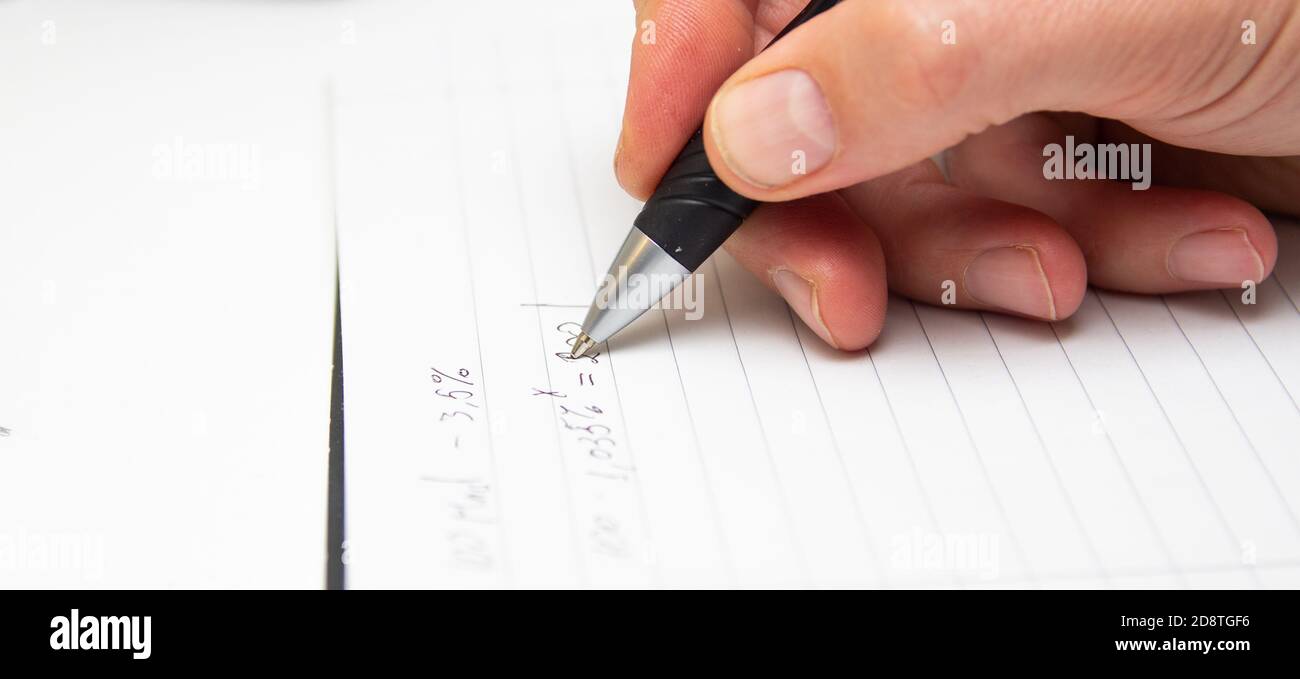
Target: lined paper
1145	442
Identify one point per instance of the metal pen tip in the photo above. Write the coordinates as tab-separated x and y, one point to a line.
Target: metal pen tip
581	345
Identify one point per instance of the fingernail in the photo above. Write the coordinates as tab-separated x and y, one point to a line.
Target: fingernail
1221	257
774	128
800	294
1011	279
618	152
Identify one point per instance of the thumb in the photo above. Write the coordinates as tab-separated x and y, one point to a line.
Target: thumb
872	86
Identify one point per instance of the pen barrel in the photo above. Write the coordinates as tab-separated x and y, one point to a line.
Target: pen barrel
692	212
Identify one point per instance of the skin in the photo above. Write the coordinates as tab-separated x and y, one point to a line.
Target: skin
1223	118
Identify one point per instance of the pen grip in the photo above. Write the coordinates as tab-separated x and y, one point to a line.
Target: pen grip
692	212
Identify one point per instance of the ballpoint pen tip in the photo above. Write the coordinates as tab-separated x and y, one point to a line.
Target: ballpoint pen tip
581	345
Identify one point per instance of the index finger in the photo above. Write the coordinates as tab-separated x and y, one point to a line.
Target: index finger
683	51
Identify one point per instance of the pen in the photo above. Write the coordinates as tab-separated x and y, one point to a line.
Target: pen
689	216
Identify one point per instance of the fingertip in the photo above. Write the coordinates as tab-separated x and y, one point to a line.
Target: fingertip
1221	242
949	247
1258	233
1062	263
854	302
1067	276
1153	240
1028	266
1265	242
631	182
849	264
824	263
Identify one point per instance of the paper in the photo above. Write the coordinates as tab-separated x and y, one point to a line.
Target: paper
1144	442
166	314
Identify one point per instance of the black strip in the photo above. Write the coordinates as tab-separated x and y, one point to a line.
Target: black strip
919	631
334	515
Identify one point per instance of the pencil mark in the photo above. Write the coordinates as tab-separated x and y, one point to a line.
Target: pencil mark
631	454
647	535
472	287
580	559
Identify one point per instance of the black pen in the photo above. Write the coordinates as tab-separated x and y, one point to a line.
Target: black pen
689	216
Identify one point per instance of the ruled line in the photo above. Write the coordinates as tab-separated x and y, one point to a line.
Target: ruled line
984	472
1260	349
907	449
1119	459
580	559
727	557
1272	482
767	446
646	528
839	454
1218	511
498	505
656	572
1047	456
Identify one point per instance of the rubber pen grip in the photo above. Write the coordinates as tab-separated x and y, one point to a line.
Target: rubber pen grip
692	212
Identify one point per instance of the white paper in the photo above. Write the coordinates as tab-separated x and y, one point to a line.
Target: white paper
166	315
1145	442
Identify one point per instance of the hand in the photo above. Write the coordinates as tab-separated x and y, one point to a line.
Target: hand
840	119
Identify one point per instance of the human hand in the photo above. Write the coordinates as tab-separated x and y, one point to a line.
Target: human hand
839	120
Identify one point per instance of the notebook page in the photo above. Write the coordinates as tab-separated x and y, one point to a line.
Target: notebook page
1143	442
166	313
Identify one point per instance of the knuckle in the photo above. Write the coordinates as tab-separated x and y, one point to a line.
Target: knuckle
922	72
